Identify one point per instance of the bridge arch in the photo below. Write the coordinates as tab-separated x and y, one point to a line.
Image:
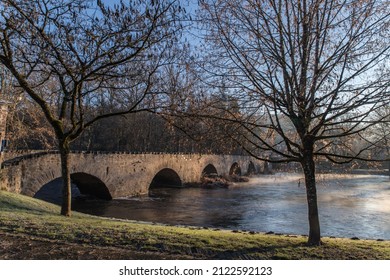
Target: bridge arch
235	169
82	183
209	171
90	185
51	191
251	168
166	177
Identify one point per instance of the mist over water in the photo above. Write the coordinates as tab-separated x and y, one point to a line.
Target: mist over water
349	206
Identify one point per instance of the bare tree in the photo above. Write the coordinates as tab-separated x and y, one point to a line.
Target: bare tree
308	74
72	56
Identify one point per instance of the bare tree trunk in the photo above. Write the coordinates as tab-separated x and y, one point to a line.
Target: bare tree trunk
65	171
308	166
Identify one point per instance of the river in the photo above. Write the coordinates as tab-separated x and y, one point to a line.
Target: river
349	206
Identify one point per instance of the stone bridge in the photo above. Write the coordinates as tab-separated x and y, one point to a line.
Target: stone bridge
114	175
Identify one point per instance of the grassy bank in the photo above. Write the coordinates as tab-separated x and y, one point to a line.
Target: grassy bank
36	222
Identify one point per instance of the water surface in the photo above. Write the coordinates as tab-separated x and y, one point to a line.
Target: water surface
349	206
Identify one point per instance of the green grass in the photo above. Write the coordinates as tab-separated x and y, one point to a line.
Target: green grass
24	215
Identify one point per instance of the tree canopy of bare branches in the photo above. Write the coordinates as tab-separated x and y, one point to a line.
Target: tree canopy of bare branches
73	56
307	74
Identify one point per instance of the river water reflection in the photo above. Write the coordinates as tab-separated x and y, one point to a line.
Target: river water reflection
349	206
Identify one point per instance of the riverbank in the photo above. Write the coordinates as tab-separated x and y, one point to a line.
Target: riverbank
32	229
